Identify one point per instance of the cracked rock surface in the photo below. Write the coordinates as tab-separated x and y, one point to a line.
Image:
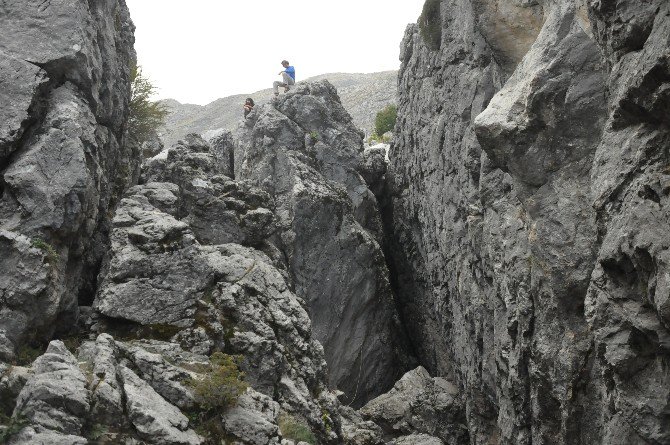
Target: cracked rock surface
305	152
64	160
527	216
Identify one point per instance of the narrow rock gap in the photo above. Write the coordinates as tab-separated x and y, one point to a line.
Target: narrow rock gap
385	200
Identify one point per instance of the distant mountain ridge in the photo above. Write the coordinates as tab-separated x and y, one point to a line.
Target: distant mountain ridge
363	95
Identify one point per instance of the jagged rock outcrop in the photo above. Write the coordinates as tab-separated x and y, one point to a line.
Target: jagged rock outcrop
305	152
64	160
198	264
183	267
528	215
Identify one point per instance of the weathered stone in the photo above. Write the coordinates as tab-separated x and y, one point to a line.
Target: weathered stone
306	153
65	76
154	418
166	379
19	84
417	439
164	282
223	147
420	404
253	420
55	399
525	215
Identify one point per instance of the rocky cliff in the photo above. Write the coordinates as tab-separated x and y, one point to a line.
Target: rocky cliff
529	214
281	283
64	161
242	288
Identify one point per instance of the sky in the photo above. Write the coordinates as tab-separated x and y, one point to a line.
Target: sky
197	51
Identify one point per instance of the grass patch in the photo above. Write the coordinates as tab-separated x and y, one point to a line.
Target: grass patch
73	342
98	431
295	429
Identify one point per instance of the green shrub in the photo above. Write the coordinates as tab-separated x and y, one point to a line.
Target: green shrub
430	24
52	255
385	120
294	429
222	385
146	116
98	431
27	354
12	426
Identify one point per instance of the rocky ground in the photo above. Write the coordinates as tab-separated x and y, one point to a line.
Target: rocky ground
499	277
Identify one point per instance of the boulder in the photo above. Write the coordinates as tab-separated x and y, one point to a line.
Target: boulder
419	404
55	399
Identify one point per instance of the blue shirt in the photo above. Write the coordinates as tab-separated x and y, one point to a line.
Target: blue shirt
290	71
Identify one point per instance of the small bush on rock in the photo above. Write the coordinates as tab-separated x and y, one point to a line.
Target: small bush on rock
47	248
294	429
27	354
385	120
222	385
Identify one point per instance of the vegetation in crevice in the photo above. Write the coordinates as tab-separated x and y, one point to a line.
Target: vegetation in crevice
215	390
48	249
12	425
27	354
295	429
385	121
220	386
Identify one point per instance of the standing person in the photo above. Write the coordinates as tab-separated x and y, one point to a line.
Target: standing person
248	106
288	77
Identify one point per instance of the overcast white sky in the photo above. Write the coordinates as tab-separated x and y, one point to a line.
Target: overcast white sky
197	51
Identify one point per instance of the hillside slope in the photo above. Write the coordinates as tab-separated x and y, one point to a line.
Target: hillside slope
361	94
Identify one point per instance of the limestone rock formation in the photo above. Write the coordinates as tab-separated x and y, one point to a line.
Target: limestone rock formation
528	215
179	269
306	153
64	160
514	241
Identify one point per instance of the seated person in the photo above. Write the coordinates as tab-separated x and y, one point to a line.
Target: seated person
248	106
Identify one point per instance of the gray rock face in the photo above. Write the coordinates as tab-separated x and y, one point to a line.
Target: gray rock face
528	216
305	152
64	80
254	419
419	404
177	270
55	399
99	397
154	418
